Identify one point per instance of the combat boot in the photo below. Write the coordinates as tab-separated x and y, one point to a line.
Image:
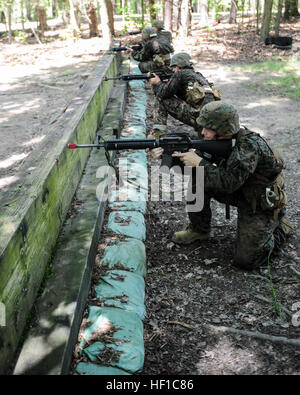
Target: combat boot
188	236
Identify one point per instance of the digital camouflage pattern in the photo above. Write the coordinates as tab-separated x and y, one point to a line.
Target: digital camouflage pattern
220	117
241	181
171	98
155	55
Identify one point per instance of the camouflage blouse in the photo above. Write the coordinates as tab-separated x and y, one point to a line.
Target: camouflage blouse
152	48
178	84
251	167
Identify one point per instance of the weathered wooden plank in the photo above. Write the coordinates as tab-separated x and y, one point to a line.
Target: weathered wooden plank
34	208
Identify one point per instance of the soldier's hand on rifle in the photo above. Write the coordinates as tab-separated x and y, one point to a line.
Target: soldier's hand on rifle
129	50
189	158
156	153
155	80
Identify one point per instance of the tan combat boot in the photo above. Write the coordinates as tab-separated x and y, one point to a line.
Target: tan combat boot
188	236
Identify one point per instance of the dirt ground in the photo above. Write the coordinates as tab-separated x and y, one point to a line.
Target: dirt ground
192	291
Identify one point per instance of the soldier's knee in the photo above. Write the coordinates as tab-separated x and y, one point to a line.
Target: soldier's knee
250	259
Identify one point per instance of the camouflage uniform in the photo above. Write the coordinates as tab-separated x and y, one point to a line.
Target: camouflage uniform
241	181
161	32
172	98
155	54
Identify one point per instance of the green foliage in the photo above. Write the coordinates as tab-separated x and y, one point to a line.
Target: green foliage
20	36
282	76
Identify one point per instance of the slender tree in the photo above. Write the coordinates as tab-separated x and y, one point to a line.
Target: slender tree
73	20
266	20
233	11
92	18
106	31
278	18
169	15
294	8
203	9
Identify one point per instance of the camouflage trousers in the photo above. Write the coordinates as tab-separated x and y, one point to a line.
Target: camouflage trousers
180	110
258	234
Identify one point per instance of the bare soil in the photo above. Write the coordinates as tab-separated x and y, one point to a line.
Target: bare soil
194	290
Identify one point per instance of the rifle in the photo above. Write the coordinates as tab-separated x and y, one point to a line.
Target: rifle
211	150
144	76
134	47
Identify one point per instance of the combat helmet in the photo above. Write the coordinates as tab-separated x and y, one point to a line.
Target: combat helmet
220	117
148	32
159	24
181	60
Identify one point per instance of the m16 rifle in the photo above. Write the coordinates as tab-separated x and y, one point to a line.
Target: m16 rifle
133	47
144	76
211	150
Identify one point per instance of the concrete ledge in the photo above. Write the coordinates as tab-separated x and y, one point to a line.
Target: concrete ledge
49	346
34	208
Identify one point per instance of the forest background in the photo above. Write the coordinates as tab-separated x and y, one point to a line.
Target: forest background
177	15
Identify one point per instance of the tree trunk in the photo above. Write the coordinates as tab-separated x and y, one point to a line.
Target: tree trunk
106	31
203	13
28	10
257	16
169	15
287	6
110	16
294	8
278	18
54	8
92	17
185	18
266	20
233	12
73	21
41	16
152	10
8	20
177	14
22	15
143	12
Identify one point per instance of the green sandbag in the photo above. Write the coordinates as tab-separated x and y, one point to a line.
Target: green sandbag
120	355
123	289
128	223
129	253
109	325
91	369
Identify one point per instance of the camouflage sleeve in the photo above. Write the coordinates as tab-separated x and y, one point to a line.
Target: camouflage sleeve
231	175
143	55
169	89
